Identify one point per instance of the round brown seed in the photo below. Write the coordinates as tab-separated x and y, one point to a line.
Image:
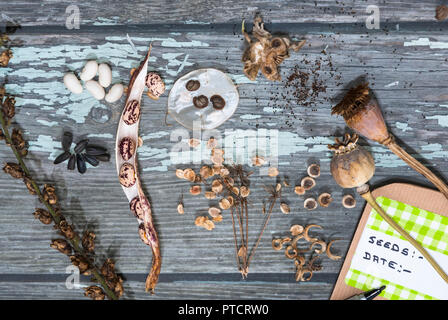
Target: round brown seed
192	85
218	102
200	101
127	148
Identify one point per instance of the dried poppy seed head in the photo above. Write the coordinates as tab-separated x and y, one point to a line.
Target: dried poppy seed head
348	201
314	170
308	183
310	204
325	199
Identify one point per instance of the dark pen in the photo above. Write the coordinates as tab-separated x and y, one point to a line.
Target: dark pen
369	295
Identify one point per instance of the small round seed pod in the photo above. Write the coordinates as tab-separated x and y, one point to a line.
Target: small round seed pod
310	204
273	172
192	85
296	230
131	112
218	102
217	186
127	148
189	175
136	207
180	173
195	190
244	191
314	170
155	84
325	199
285	208
299	190
210	195
348	201
180	208
200	102
224	204
308	183
127	175
214	212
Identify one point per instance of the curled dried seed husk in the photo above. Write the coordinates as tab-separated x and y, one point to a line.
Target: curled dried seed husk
189	175
296	239
299	261
258	161
127	175
180	208
244	191
61	245
314	170
278	187
212	143
217	186
242	251
72	162
328	251
290	252
80	262
273	172
322	244
224	204
310	204
195	190
235	190
194	143
224	172
180	173
66	229
139	142
308	183
325	199
94	293
296	230
81	163
299	190
29	185
90	159
81	146
49	194
206	172
43	215
67	140
349	201
218	218
214	212
307	229
62	157
277	244
88	241
285	208
217	170
210	195
14	170
209	224
286	239
199	221
302	273
231	200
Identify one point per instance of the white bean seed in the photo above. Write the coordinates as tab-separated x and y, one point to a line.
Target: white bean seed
104	75
115	93
89	71
95	89
72	83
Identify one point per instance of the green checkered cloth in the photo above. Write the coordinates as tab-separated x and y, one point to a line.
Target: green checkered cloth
428	228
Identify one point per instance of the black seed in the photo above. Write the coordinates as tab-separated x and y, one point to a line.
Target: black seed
81	145
62	157
90	159
72	162
95	150
81	164
67	140
105	157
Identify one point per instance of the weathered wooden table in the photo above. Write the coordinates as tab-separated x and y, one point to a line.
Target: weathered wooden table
405	61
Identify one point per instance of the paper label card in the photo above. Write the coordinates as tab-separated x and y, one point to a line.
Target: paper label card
384	257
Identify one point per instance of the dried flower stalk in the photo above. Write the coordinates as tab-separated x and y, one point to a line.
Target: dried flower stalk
362	113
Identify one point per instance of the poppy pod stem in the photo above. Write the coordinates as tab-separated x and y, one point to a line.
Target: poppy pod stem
362	113
364	192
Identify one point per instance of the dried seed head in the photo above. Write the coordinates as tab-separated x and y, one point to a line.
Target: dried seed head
195	190
244	191
217	186
80	262
229	181
210	195
310	204
214	212
14	170
66	229
258	161
29	185
348	201
206	172
17	139
189	175
299	190
308	183
180	208
273	172
212	143
314	170
43	216
296	230
49	193
61	245
284	208
88	241
325	199
180	173
5	56
194	142
224	204
94	293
